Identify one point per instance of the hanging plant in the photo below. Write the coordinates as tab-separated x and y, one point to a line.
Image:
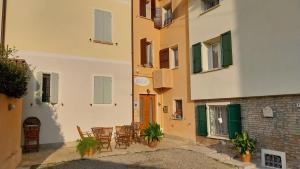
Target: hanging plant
14	73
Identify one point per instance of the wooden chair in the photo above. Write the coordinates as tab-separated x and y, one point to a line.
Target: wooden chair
83	134
103	134
122	137
136	127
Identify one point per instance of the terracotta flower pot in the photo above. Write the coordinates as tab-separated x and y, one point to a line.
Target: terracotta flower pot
246	157
153	143
89	153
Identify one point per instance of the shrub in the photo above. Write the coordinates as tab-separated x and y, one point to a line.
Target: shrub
153	132
87	144
244	143
14	74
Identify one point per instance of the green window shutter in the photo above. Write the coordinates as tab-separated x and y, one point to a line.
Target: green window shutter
226	48
197	64
202	120
234	120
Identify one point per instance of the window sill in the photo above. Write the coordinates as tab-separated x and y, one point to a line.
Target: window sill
178	119
103	42
210	9
219	138
213	70
142	17
168	25
146	66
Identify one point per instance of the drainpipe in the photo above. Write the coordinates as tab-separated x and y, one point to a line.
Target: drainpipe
3	24
132	63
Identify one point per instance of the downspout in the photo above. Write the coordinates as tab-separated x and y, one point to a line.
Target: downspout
3	24
132	63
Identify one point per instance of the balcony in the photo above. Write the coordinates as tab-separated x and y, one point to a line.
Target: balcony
163	79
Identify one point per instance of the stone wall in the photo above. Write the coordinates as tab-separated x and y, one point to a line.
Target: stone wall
10	130
280	133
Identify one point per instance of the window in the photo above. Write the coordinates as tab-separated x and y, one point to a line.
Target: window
208	4
102	90
178	109
174	57
47	88
147	8
212	54
273	159
218	120
146	53
103	26
167	14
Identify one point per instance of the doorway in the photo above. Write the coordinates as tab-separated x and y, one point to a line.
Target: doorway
147	110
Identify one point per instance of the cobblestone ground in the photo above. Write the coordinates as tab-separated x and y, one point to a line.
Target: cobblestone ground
160	159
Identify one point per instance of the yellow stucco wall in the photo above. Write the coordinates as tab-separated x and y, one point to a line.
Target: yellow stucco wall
10	129
174	34
65	27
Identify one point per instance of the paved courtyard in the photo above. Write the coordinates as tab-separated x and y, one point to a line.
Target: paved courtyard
170	154
169	159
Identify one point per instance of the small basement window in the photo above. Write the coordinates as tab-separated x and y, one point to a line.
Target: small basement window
178	114
273	159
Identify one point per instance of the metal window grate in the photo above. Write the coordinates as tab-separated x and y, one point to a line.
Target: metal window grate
273	161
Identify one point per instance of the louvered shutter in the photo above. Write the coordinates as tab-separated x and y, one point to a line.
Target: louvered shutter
197	60
201	120
54	84
226	49
234	120
143	8
164	58
153	9
103	26
143	46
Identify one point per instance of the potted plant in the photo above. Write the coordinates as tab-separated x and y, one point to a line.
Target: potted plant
87	146
245	145
153	134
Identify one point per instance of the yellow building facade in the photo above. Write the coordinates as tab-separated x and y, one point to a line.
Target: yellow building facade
161	66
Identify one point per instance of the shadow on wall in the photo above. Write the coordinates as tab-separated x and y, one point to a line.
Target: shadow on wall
93	164
50	131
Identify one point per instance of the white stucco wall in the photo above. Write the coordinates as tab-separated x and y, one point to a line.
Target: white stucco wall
76	94
265	42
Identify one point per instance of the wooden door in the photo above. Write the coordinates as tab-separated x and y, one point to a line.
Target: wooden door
147	110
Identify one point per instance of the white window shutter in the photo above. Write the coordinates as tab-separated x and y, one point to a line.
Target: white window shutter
103	26
98	90
107	95
54	86
38	88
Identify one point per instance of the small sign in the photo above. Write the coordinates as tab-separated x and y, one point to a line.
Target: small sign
268	112
141	81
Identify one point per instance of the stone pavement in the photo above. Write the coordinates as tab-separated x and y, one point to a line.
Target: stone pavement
53	155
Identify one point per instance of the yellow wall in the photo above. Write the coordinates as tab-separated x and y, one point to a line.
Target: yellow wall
66	26
10	129
174	34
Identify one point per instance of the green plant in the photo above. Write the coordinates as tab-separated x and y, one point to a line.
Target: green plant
14	75
87	144
153	132
244	143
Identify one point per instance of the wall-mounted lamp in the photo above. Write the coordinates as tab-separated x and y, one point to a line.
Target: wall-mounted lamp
148	91
11	106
